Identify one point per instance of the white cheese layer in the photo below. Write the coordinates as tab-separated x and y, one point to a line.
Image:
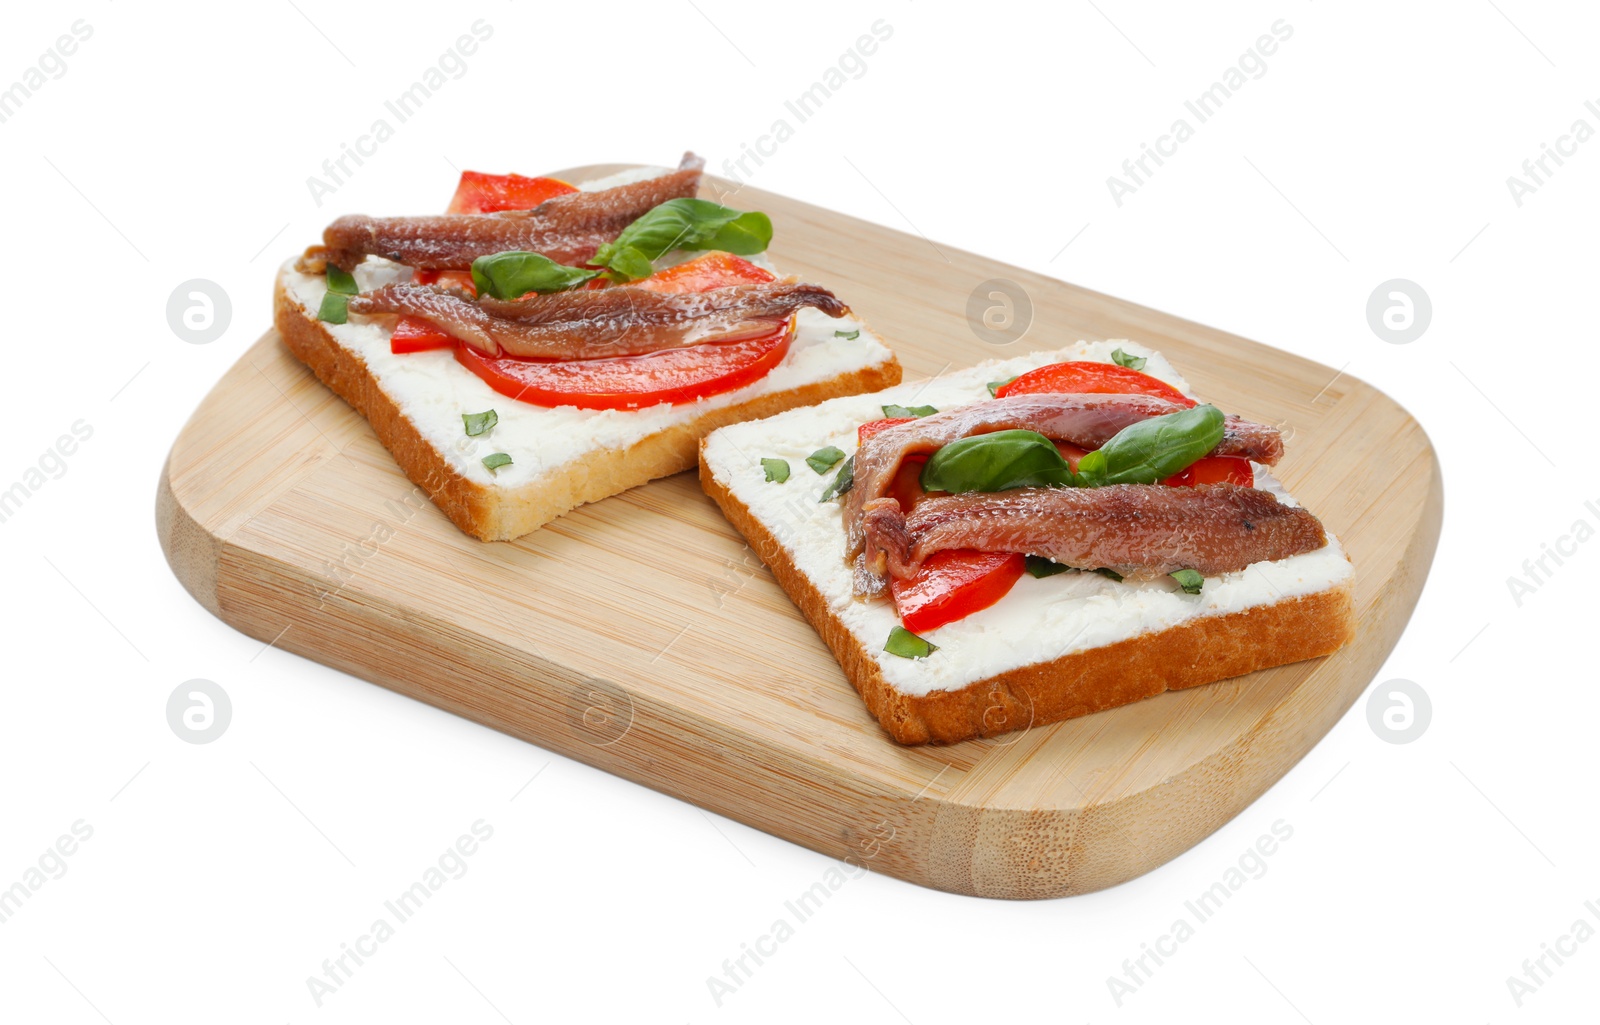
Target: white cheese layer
1040	619
433	390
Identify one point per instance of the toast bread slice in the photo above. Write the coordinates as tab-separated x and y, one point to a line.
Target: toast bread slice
493	511
1293	620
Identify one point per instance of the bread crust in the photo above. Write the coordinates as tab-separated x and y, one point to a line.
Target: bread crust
502	513
1201	651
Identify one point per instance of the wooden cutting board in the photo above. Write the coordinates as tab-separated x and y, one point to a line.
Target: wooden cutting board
640	635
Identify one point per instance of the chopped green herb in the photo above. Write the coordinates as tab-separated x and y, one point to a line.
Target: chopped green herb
848	336
907	412
1122	359
340	281
843	482
906	644
479	423
1190	580
1110	573
822	459
777	470
995	386
1039	566
335	308
497	460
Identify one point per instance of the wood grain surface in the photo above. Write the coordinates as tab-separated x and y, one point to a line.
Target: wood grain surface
640	635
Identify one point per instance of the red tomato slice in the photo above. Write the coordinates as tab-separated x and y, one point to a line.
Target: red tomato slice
479	193
1084	378
872	427
703	273
1215	470
953	584
629	382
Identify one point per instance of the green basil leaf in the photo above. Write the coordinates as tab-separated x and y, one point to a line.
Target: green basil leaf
848	336
1122	359
479	423
1111	573
1039	566
843	482
335	308
1152	450
822	459
995	386
777	470
906	644
340	281
496	460
1190	580
687	224
908	412
515	274
745	235
997	461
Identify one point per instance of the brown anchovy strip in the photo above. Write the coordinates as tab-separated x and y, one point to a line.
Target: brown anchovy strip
1133	529
1087	421
594	323
568	228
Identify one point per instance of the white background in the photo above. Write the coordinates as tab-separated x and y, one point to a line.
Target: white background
1377	145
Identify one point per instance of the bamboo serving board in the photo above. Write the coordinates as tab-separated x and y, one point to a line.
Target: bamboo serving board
640	635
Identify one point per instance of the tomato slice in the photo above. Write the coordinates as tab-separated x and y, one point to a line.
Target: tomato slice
953	584
1215	470
479	193
1086	378
872	427
629	382
703	273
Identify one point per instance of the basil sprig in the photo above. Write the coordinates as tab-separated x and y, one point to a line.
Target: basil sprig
1142	453
514	274
997	461
688	224
495	460
777	470
995	386
1152	450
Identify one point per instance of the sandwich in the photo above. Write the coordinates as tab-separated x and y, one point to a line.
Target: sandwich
544	344
1033	539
